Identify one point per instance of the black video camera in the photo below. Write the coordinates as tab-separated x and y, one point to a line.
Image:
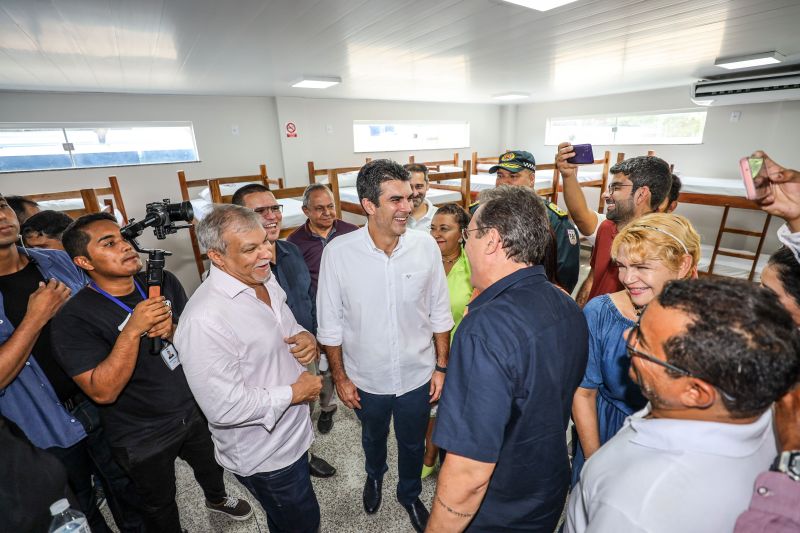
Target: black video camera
161	216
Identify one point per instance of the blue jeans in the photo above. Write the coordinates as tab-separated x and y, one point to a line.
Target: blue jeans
287	497
119	490
411	412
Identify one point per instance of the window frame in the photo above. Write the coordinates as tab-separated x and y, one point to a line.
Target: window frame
617	116
65	127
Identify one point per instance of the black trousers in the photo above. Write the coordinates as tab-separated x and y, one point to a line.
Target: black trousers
151	466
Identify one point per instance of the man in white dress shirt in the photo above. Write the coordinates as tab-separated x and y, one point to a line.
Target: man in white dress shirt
711	355
243	354
422	209
384	319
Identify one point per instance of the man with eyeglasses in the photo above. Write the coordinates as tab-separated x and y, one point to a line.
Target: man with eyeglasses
711	356
518	356
291	273
639	185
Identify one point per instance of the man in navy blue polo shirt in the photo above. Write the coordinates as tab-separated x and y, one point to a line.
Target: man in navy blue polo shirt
517	358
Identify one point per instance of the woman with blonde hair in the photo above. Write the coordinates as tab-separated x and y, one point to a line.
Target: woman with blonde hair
649	252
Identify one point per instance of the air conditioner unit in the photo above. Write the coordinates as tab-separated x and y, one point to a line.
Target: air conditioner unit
749	89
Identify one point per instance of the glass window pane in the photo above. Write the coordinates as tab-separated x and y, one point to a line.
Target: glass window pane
32	149
662	128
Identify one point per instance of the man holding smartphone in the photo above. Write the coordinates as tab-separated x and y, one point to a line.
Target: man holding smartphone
639	185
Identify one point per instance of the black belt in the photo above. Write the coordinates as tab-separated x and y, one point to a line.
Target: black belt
74	401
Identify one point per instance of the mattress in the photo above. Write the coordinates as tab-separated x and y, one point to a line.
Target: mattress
699	185
730	266
544	180
71	204
437	196
293	215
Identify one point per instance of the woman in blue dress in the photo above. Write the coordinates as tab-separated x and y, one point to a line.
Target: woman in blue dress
649	252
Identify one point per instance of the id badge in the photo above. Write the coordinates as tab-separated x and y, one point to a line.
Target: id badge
170	356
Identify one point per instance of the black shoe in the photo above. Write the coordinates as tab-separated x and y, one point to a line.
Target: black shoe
418	515
320	467
325	422
372	495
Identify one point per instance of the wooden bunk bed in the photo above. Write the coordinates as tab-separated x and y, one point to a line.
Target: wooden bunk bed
198	192
84	201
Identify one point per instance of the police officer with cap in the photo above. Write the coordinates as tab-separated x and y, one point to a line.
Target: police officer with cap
518	167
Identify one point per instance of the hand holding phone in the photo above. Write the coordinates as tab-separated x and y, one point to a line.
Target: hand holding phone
754	176
583	154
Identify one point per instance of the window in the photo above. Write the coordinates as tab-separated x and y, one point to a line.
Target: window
684	127
395	135
26	147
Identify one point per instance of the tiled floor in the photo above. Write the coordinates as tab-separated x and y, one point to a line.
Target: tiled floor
339	497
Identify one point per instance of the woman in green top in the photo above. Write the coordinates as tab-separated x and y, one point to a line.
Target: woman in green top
446	228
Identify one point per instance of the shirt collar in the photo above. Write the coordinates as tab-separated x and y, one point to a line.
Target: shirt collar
499	286
713	438
229	285
374	248
311	235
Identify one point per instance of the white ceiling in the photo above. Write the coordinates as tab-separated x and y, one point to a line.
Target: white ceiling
435	50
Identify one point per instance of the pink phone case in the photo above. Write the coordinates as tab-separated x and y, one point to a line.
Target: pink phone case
747	178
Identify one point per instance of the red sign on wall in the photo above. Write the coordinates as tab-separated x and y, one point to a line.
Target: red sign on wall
291	129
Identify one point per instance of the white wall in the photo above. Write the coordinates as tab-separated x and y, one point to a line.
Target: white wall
771	127
325	130
221	152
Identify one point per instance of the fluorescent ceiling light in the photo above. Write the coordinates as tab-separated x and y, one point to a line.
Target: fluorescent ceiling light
511	96
541	5
316	82
752	60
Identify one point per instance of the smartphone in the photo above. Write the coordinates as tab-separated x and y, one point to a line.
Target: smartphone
583	154
750	168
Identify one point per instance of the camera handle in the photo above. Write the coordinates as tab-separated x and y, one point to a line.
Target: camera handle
155	280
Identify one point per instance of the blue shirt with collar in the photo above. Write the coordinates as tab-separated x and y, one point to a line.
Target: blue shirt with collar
517	358
291	272
29	400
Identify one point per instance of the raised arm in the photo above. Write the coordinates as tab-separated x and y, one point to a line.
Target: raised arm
585	218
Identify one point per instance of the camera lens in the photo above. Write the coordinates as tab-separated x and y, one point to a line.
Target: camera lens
180	211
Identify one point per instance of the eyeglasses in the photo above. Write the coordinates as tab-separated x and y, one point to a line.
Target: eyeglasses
614	187
465	231
274	209
629	347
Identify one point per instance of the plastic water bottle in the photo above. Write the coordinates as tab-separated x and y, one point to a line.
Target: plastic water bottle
66	519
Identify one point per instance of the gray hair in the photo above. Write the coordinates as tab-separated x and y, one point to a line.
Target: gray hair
312	189
222	218
519	216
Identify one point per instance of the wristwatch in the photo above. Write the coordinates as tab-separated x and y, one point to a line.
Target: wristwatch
788	462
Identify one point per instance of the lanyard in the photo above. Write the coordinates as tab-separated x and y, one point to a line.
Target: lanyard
115	299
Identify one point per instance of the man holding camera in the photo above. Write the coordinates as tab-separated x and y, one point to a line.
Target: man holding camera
102	339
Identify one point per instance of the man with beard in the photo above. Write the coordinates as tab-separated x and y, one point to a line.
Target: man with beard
639	186
102	338
423	209
711	355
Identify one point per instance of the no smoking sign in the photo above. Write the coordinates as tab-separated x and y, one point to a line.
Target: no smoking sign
291	130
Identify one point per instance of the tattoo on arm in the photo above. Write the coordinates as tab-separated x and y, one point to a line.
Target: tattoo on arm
453	511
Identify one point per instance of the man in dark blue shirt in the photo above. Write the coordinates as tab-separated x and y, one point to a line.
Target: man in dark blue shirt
291	272
517	358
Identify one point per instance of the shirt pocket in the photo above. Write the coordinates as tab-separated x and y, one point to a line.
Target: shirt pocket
415	286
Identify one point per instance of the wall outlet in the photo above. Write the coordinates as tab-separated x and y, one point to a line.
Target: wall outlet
735	116
235	130
329	129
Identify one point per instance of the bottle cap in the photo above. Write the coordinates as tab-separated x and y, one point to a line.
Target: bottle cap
59	507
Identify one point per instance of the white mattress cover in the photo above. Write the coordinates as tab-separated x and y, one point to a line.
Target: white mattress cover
70	204
293	215
701	185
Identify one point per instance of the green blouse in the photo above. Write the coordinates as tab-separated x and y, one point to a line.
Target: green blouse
460	289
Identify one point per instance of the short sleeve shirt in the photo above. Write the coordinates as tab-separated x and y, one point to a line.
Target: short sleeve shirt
516	360
84	333
605	274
